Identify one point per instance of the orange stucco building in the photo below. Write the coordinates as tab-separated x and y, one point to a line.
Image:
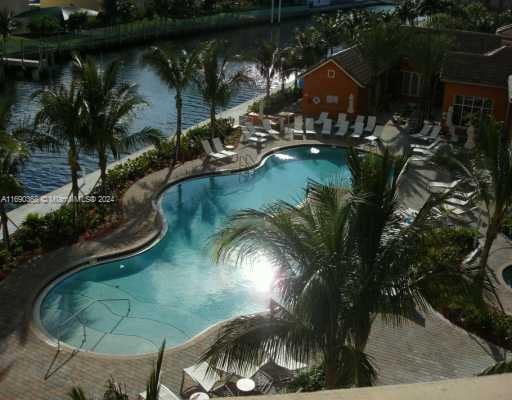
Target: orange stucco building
474	79
337	85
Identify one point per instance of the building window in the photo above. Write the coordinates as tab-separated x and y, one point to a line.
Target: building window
465	108
331	74
411	84
331	99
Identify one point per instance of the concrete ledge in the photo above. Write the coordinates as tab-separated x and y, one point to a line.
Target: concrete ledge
496	387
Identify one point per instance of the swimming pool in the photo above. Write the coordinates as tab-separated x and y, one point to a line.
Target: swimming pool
173	290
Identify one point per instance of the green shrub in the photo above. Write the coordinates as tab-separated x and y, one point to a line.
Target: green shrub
277	101
43	26
507	226
311	380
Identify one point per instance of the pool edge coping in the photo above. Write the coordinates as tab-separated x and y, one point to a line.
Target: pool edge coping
45	286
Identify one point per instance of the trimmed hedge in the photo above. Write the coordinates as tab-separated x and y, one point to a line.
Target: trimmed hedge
277	101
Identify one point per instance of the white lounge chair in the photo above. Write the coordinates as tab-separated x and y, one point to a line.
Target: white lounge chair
359	120
457	211
377	133
298	129
210	153
342	117
431	146
424	133
219	148
310	126
358	130
322	118
256	133
442	187
327	128
457	202
267	125
434	134
370	124
164	394
342	129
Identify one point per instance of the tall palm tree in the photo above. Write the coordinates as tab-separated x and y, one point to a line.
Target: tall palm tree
309	46
330	28
61	124
115	391
266	58
427	52
109	106
381	44
216	83
342	258
407	11
177	70
431	7
7	23
489	166
13	153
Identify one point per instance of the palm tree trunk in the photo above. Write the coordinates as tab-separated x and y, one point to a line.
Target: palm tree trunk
330	376
179	107
5	226
102	161
267	89
213	120
74	167
490	237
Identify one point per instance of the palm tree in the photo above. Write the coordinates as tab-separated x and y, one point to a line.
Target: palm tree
61	124
342	258
266	58
13	153
115	391
215	82
427	52
330	28
177	70
431	7
109	106
381	46
309	46
407	11
489	167
7	23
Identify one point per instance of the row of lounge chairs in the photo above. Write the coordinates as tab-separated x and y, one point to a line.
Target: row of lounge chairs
341	128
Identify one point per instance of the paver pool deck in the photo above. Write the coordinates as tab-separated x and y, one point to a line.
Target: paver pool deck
433	350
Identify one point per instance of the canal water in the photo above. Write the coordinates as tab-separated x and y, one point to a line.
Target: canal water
48	171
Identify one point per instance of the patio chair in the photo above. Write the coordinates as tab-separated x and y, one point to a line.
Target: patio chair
370	124
342	129
212	154
458	202
327	128
264	383
441	187
457	211
267	125
219	148
310	126
298	129
424	133
256	133
322	118
434	134
359	120
164	394
431	146
377	133
358	130
342	117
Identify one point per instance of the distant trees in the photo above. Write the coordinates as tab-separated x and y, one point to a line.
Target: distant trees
115	11
7	23
43	26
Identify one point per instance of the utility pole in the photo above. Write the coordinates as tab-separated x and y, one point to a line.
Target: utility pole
272	13
279	11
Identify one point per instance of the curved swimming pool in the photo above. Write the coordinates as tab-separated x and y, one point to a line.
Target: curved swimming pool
173	290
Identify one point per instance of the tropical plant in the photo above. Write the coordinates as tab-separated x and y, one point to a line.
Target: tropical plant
331	30
489	167
109	106
427	52
177	70
114	391
7	23
407	11
215	82
381	45
61	124
13	153
431	7
309	47
342	258
502	367
266	58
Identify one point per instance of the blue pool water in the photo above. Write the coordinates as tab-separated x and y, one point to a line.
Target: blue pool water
507	276
174	290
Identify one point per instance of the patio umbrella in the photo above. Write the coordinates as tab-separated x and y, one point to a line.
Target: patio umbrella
262	114
350	109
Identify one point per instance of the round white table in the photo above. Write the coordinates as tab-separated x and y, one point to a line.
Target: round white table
199	396
245	385
229	147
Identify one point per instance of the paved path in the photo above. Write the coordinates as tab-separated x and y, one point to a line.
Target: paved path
412	353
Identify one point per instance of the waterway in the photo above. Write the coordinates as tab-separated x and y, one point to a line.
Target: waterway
48	171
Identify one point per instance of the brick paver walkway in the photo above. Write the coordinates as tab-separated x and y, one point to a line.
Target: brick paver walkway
434	350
